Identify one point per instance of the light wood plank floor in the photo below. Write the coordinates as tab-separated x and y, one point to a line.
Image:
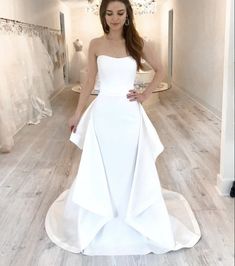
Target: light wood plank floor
43	163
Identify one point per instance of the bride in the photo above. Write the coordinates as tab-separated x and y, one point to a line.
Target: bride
116	205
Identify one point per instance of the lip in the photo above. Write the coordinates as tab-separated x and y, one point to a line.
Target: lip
115	24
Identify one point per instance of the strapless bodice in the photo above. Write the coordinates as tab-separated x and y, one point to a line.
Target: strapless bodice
116	75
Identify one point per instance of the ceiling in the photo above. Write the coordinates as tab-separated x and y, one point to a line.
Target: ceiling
74	3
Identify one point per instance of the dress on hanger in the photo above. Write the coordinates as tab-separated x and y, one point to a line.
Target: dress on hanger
116	205
26	83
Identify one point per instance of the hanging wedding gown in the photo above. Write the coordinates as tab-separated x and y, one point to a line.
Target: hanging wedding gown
26	84
116	205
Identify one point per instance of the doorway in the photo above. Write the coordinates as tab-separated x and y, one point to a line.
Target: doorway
62	28
170	47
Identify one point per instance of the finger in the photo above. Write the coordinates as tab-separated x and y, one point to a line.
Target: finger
134	98
131	95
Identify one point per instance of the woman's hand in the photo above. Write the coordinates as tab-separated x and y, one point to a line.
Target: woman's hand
73	122
140	97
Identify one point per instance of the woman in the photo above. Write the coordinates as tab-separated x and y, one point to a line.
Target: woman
115	205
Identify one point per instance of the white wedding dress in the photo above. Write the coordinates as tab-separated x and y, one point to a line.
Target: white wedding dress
116	205
26	84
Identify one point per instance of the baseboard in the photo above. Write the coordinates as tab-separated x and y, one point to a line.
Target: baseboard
53	96
223	186
199	102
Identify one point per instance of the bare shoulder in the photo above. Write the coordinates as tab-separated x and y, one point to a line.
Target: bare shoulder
97	40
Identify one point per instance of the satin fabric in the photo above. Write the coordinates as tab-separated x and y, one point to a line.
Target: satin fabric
116	205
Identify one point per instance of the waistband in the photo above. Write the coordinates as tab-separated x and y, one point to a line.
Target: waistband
121	93
117	94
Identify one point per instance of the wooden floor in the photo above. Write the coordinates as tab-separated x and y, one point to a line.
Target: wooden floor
43	163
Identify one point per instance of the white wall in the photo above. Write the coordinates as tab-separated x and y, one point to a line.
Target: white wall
68	35
44	13
226	175
85	26
197	48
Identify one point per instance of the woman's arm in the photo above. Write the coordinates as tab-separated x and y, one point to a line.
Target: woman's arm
88	86
90	79
151	57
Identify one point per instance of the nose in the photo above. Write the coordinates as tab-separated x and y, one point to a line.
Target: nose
115	18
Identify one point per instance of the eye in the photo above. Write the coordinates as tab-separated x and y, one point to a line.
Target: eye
121	14
108	14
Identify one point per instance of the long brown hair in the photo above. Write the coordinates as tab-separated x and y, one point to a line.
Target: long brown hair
134	43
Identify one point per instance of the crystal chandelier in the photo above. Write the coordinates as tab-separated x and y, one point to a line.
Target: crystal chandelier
93	6
140	7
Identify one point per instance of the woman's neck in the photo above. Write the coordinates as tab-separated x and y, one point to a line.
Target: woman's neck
114	36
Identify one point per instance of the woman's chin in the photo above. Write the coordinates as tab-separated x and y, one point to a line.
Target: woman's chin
116	28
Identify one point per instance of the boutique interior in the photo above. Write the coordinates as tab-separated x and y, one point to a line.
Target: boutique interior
43	51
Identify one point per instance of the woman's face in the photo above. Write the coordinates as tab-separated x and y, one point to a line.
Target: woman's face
115	15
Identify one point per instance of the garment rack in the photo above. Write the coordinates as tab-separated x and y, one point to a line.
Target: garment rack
28	24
